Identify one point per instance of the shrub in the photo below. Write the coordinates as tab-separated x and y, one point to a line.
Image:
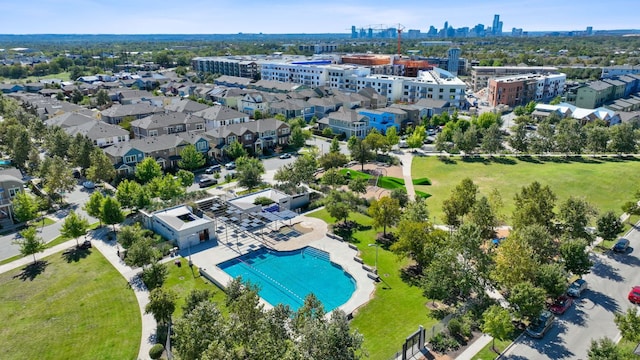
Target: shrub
442	343
263	200
156	351
455	327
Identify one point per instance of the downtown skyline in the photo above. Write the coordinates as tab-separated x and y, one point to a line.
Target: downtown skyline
291	17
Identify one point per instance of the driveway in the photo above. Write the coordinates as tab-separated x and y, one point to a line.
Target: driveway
591	317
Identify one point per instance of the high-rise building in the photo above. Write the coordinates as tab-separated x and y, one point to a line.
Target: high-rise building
589	31
453	61
496	28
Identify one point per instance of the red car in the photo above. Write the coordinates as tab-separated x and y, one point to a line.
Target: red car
561	304
634	295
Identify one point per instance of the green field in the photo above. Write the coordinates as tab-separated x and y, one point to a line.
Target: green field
397	309
79	308
605	183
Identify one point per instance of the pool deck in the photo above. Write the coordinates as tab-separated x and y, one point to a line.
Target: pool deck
230	245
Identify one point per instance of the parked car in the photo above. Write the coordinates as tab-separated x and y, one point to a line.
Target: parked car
213	169
285	156
621	245
634	295
89	185
561	304
403	144
230	165
540	326
206	182
577	287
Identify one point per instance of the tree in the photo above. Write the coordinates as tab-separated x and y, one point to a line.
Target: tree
126	193
527	300
396	194
298	138
339	204
102	98
445	278
202	328
534	205
460	202
515	263
497	323
162	304
482	214
81	149
597	139
130	235
235	150
392	136
539	239
419	241
570	137
518	139
141	253
250	172
552	278
166	187
416	139
333	178
608	226
332	160
59	177
376	141
574	216
101	168
544	141
186	177
492	139
604	349
194	298
191	158
360	151
385	212
20	148
93	206
154	275
110	212
575	256
629	324
74	226
335	145
623	139
25	207
148	169
302	170
30	243
76	96
466	141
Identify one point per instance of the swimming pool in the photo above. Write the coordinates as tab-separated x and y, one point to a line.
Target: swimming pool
287	277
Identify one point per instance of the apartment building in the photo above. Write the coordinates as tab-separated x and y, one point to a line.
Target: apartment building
245	67
480	75
434	84
521	89
310	73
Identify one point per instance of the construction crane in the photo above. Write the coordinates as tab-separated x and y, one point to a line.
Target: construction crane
400	27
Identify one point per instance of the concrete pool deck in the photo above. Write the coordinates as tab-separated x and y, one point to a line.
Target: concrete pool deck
230	245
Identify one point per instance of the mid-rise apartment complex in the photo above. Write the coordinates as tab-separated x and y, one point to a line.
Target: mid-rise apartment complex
521	89
241	67
480	75
606	91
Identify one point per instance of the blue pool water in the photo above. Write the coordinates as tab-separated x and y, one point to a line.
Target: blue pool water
288	277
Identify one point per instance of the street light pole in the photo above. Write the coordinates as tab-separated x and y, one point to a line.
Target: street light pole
376	263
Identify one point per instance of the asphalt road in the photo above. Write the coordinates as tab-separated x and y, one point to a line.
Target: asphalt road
591	317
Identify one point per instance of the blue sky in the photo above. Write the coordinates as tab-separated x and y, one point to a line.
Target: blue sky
303	16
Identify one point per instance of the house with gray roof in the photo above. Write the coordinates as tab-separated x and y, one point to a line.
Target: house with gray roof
256	136
220	115
347	122
168	122
185	106
116	113
10	184
292	108
232	81
102	134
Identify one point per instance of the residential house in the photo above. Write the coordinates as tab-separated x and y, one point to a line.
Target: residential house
165	149
255	136
253	102
293	108
323	106
219	115
169	122
33	87
126	96
116	113
11	88
376	100
347	122
415	114
227	96
383	119
185	106
430	107
232	81
10	184
102	134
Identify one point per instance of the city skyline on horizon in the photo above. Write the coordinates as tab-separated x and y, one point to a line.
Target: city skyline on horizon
149	17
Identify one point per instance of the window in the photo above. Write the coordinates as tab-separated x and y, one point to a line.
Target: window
199	126
130	159
153	132
201	145
248	137
13	192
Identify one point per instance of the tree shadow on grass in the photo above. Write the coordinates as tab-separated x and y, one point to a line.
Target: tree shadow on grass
74	254
475	160
503	160
529	159
447	160
32	270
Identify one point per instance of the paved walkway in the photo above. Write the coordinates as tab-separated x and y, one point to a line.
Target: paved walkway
109	250
406	159
475	347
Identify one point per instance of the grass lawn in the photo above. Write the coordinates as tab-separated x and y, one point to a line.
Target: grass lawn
605	183
72	310
47	221
64	76
397	309
182	280
487	352
355	174
390	183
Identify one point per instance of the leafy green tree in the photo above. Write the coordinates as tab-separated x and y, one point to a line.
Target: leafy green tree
608	226
377	142
93	206
570	137
162	304
416	211
629	324
339	204
33	162
397	194
166	187
194	298
466	141
416	139
126	192
191	158
59	177
515	263
30	243
148	169
597	139
460	202
419	241
235	150
332	160
497	323
574	216
250	172
298	137
20	148
360	151
575	256
154	275
534	205
539	239
130	235
333	178
186	177
101	168
102	98
200	329
488	119
552	278
25	207
81	149
358	185
110	212
385	212
483	215
141	253
76	96
623	139
392	136
445	278
74	226
519	140
327	132
302	170
527	300
335	145
544	141
604	349
492	139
